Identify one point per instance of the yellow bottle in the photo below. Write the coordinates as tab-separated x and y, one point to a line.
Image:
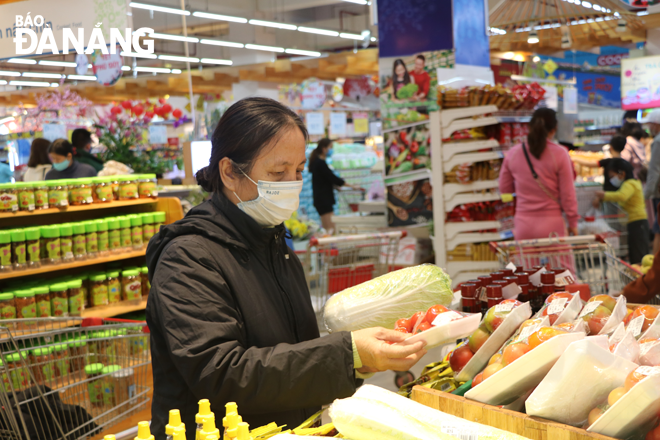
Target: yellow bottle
144	433
109	437
243	431
173	424
179	433
231	421
209	428
204	411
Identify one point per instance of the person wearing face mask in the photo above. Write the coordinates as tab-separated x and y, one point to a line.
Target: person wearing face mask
540	173
64	165
324	182
229	311
630	197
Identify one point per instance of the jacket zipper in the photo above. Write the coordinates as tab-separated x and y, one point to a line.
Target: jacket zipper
286	295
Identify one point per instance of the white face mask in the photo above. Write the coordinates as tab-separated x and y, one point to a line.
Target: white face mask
276	203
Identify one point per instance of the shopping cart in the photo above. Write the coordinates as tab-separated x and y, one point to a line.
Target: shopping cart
333	264
68	378
589	257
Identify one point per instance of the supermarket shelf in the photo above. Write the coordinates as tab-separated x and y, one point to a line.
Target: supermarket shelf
114	309
462	199
402	127
21	333
72	265
473	237
77	208
465	124
451	228
449	116
410	176
454	268
451	189
595	127
449	149
513	119
471	158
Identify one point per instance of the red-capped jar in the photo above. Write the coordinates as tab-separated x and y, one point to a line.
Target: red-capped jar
507	272
547	284
523	283
519	269
558	270
469	292
494	294
497	276
485	280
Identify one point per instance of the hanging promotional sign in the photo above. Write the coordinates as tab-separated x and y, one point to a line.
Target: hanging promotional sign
337	124
313	95
641	3
361	123
640	83
314	123
54	131
570	101
107	68
81	64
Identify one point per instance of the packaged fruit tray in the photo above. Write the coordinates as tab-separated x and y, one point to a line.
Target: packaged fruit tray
635	410
448	332
517	378
493	342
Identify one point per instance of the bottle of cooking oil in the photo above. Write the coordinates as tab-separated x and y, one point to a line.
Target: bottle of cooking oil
243	431
204	412
231	420
179	434
173	424
209	428
144	433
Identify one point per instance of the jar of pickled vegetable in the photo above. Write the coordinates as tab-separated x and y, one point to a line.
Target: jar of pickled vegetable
5	252
42	298
41	364
66	241
131	285
52	244
114	286
147	226
159	220
144	279
92	239
18	371
4	376
79	241
8	197
58	193
128	188
61	358
147	186
103	240
95	384
114	235
136	232
18	250
109	399
26	307
125	231
114	183
59	299
26	200
102	189
78	353
76	298
7	306
80	191
40	195
32	245
98	290
84	289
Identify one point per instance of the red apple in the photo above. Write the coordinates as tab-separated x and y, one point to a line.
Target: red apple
649	312
492	369
494	319
459	358
615	395
513	352
596	320
477	379
433	312
606	301
515	302
559	295
477	339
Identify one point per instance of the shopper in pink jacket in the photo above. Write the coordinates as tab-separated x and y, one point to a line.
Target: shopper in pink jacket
540	201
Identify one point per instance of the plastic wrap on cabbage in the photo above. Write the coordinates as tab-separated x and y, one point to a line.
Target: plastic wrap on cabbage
375	413
383	300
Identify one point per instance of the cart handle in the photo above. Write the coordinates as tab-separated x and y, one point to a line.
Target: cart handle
575	239
344	238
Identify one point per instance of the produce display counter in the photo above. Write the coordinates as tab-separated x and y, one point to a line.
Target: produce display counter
533	428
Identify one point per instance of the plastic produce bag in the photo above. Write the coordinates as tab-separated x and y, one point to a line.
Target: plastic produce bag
582	378
593	223
382	301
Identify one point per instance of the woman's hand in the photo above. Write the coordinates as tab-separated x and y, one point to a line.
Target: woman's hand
573	231
377	355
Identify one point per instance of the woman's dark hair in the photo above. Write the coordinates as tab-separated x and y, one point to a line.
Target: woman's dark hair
406	76
617	165
39	153
628	128
61	147
320	146
543	122
639	133
618	143
80	138
245	129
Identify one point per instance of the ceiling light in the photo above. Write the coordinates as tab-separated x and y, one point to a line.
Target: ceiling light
214	61
176	71
586	4
3	82
219	17
151	69
536	59
642	13
149	56
41	75
519	57
373	38
357	2
29	83
173	37
273	24
7	119
309	53
9	73
57	63
265	48
21	61
82	77
220	43
89	66
178	58
54	84
597	8
158	8
318	31
508	55
125	68
533	37
351	36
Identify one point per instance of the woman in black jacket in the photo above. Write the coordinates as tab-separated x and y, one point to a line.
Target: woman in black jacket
324	182
229	311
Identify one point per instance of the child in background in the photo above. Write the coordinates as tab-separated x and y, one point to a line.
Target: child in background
630	197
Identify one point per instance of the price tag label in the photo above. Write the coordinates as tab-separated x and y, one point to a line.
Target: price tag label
535	278
590	307
527	331
645	347
461	433
648	371
504	307
564	279
444	318
557	306
512	267
635	326
511	291
483	297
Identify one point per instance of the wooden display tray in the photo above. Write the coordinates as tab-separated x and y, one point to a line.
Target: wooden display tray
114	309
533	428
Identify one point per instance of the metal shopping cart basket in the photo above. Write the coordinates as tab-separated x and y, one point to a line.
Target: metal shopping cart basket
68	378
589	257
333	264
